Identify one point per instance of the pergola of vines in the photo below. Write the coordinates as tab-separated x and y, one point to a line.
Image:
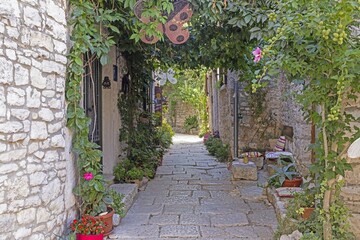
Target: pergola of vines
313	41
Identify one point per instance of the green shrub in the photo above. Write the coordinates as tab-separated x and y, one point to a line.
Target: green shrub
149	172
135	174
222	153
126	170
191	122
120	173
216	148
164	134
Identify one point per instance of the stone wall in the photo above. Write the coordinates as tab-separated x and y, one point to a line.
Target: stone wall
351	191
181	112
36	170
226	113
259	116
279	109
291	115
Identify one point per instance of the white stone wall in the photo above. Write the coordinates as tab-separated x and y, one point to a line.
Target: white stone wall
36	173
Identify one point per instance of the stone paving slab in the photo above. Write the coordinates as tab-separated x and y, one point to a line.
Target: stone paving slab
164	219
181	193
177	200
185	187
147	209
180	231
263	218
201	194
135	219
193	197
229	220
178	208
219	209
195	219
242	232
133	232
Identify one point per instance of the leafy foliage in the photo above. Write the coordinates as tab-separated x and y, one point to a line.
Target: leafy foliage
190	89
165	134
87	19
118	204
316	46
218	149
191	122
312	41
282	173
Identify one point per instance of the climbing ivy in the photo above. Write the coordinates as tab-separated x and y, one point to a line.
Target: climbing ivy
316	45
88	19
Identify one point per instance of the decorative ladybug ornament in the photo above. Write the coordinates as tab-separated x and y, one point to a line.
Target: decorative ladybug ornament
174	26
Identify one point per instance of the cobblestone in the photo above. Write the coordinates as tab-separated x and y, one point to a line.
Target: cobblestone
193	197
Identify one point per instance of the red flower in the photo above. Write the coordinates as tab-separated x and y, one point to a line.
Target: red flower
88	225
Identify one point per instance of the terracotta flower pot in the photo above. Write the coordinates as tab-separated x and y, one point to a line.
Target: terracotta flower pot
295	182
108	220
307	212
80	236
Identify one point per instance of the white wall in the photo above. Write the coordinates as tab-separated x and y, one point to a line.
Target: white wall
111	122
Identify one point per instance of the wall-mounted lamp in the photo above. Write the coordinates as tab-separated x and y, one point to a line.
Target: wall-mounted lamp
115	73
106	83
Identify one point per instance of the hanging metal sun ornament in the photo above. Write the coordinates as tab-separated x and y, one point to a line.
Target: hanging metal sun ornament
174	27
161	76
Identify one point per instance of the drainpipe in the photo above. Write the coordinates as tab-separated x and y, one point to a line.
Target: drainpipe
236	119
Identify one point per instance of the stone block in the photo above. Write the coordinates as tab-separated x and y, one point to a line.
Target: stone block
259	161
6	71
355	224
353	177
247	171
129	190
351	193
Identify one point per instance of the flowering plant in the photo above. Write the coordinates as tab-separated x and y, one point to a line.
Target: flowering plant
88	225
95	197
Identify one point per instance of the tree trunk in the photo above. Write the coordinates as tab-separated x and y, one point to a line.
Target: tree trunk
327	228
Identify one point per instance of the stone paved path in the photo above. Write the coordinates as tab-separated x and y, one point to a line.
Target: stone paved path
193	197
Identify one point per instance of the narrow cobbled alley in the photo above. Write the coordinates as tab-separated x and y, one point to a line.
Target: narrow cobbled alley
193	197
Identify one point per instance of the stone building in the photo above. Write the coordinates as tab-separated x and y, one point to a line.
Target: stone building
37	170
278	111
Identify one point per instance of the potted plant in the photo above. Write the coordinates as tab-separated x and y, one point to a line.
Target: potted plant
305	203
95	199
285	176
88	228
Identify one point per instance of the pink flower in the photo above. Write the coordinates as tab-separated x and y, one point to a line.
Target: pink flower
257	54
88	176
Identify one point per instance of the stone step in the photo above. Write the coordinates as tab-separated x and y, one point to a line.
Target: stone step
129	190
246	171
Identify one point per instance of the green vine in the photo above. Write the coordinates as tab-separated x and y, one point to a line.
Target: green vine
88	20
314	43
311	40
